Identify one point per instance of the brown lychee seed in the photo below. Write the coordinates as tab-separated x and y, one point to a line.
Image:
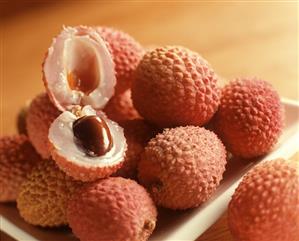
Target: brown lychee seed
86	144
44	195
78	69
17	158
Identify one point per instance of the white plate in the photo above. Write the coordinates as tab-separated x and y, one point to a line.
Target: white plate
174	225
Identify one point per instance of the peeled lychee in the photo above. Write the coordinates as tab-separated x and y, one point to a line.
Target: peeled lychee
182	167
174	86
250	117
265	206
78	69
126	52
17	158
137	133
120	107
86	144
43	197
40	115
114	209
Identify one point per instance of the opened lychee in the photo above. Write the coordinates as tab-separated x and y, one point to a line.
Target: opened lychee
114	209
86	144
79	69
17	158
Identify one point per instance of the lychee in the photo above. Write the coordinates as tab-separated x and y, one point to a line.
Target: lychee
182	167
174	86
126	52
120	107
86	144
78	69
43	197
265	206
114	209
250	117
40	115
17	158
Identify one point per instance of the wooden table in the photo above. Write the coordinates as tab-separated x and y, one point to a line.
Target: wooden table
238	39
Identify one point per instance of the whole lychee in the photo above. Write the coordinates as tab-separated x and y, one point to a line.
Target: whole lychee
43	197
17	158
265	206
126	52
174	86
40	115
250	117
114	209
182	167
120	107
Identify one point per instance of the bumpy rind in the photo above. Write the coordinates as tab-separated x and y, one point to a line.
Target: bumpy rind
265	206
40	115
114	209
17	158
250	117
126	52
182	167
174	86
43	197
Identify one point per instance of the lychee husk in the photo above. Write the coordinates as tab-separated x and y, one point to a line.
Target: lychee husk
17	158
43	197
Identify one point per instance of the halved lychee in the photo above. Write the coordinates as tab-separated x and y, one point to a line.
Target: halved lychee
78	69
86	144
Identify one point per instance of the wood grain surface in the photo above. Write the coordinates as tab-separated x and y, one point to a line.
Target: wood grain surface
257	38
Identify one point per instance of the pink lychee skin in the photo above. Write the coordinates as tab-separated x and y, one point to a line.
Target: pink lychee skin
250	117
40	115
265	206
175	86
120	107
114	209
126	52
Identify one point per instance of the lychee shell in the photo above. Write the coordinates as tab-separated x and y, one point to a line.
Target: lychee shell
174	86
265	206
43	197
114	209
41	114
182	167
250	117
17	158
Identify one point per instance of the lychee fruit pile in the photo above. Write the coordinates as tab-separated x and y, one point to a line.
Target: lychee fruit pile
120	129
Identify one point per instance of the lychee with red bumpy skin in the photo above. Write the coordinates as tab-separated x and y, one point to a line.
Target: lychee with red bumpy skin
40	115
78	69
17	158
86	144
126	52
182	167
120	107
175	86
249	120
114	209
43	197
137	133
265	206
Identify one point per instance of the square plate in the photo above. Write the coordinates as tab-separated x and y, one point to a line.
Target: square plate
174	225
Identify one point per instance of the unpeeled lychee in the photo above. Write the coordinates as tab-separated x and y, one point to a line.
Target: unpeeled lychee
126	52
182	167
114	209
250	117
120	107
43	197
174	86
265	206
40	115
17	158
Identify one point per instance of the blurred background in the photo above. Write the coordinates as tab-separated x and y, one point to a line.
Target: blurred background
237	38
